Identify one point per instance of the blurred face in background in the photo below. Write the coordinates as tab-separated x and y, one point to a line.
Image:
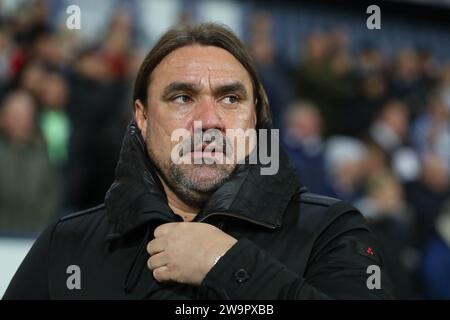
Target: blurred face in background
438	110
375	86
435	174
407	65
370	60
445	81
92	66
262	49
351	173
195	83
396	116
304	121
54	93
47	48
33	78
17	116
317	47
340	39
261	43
387	194
376	160
346	163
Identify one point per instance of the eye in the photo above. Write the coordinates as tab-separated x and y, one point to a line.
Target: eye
230	99
182	99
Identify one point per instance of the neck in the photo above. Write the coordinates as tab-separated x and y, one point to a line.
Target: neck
186	212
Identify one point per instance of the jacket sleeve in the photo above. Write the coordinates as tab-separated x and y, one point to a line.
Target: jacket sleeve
337	268
31	279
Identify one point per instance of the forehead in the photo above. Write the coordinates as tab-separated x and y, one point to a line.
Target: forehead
199	63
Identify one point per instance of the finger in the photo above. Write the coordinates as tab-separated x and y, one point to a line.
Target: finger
161	274
157	261
155	246
163	229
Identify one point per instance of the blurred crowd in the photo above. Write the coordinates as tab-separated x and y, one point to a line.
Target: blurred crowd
373	130
361	126
64	105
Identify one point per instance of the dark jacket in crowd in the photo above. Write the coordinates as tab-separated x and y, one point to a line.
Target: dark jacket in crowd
291	244
29	187
97	118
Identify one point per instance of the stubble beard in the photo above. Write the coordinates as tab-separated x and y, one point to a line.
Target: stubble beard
191	183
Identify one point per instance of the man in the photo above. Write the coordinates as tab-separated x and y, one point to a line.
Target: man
26	203
188	231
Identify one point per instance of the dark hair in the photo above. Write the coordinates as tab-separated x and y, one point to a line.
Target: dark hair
207	34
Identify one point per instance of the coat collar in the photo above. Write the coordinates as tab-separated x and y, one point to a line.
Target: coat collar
137	196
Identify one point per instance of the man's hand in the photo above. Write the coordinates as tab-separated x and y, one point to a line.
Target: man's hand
184	252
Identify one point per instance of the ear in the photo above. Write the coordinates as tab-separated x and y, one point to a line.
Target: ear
140	115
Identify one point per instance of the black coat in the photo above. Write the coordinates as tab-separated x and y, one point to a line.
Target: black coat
291	244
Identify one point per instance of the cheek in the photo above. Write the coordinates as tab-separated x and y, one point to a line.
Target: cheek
242	145
243	120
158	137
163	122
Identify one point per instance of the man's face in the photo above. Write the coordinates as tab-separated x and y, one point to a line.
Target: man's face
195	83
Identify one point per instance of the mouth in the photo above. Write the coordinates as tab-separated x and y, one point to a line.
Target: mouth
207	151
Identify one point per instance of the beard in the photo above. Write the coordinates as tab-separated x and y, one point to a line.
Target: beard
191	183
195	183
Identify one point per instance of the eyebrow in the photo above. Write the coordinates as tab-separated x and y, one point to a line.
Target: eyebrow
233	87
180	86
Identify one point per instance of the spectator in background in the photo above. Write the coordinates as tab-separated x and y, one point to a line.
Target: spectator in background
389	215
53	118
407	83
50	88
5	52
274	72
29	193
116	48
314	74
303	143
429	69
47	48
391	131
32	77
444	85
340	59
369	61
27	28
431	131
369	91
436	260
357	116
96	112
325	77
344	163
428	195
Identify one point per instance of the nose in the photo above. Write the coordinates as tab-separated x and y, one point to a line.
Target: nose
208	113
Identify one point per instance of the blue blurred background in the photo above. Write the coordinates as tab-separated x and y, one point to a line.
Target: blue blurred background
364	114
